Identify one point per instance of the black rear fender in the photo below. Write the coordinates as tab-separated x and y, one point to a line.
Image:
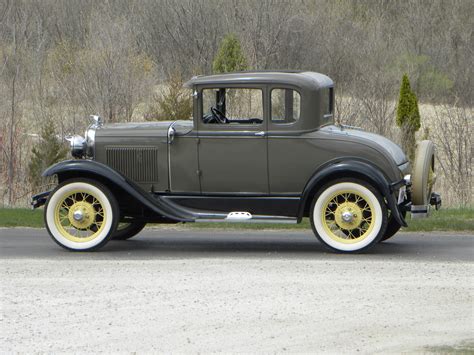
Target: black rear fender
351	169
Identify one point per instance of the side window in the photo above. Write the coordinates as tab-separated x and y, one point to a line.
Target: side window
232	106
327	101
286	105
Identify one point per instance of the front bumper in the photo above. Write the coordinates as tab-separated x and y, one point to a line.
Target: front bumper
39	199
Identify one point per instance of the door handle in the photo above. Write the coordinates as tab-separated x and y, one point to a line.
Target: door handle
260	134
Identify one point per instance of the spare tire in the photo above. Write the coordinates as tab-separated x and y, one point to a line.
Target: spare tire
423	176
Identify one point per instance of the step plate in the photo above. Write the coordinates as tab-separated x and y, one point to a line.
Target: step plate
239	216
246	217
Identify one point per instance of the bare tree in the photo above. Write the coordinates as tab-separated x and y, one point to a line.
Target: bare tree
65	59
13	76
453	132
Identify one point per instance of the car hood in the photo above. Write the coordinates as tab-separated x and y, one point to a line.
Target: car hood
374	139
142	129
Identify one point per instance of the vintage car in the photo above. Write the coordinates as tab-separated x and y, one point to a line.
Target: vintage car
260	147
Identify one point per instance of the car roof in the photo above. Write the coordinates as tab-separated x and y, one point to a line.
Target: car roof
304	79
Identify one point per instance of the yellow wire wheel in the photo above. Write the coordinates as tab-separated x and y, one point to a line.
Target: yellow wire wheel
81	214
348	216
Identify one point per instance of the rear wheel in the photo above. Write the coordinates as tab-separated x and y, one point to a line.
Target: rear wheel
127	230
348	215
392	227
81	214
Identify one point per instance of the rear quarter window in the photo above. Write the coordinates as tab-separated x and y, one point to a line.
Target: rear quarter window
285	106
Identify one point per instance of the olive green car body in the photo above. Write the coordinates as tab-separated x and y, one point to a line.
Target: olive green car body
188	170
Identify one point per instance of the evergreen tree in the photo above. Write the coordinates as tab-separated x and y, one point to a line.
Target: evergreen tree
230	57
48	151
408	117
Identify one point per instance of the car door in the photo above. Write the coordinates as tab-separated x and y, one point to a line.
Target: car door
183	170
232	149
290	155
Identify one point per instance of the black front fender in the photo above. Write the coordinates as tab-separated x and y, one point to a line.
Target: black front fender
356	169
91	169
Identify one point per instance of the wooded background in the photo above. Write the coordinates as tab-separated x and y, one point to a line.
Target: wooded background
61	61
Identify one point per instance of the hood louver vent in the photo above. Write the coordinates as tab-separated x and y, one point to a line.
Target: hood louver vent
139	164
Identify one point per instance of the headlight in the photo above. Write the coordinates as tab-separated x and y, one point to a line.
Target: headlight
84	147
78	146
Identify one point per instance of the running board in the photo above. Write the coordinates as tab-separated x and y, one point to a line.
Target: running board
194	215
246	217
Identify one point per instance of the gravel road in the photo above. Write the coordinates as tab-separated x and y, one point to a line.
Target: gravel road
173	290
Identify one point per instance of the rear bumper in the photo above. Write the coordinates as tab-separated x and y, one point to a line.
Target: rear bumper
39	199
423	211
435	200
404	203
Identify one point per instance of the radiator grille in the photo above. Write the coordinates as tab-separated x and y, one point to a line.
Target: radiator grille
139	164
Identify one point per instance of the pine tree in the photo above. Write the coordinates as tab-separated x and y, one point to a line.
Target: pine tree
408	117
230	57
404	102
48	151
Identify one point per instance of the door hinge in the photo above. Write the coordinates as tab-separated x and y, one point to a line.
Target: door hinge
198	172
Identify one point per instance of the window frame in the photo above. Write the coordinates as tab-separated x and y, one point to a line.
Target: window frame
227	126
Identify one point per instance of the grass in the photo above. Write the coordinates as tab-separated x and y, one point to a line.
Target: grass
452	219
21	217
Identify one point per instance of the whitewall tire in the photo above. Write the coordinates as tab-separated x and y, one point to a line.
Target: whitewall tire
348	215
81	214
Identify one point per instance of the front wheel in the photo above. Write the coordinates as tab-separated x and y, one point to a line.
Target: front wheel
81	214
348	215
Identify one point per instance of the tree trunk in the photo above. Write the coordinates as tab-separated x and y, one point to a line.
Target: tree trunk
11	160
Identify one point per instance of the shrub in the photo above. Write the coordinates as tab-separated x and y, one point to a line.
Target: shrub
174	103
48	151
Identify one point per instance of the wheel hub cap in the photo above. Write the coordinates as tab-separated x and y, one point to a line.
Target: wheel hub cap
78	215
348	215
81	215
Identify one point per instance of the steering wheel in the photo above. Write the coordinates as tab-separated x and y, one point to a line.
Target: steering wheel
219	116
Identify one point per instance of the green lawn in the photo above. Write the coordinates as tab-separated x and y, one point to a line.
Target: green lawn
453	219
21	217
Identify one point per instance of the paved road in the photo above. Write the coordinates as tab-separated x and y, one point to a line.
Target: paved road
245	291
180	243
